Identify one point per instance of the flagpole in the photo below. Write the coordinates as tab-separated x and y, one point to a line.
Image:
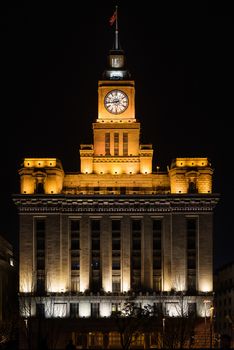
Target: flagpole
116	30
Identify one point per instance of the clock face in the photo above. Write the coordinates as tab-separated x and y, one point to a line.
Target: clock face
116	101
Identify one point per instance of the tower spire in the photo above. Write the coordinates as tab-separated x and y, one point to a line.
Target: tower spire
116	29
116	69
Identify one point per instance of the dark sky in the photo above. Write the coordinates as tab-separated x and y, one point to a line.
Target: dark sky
52	58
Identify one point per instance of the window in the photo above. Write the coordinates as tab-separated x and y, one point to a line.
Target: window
75	282
157	253
40	310
192	187
107	144
116	284
75	265
136	254
75	245
116	225
191	253
192	308
94	309
115	264
40	254
60	310
114	339
40	283
40	188
95	255
95	340
74	310
116	144
95	263
116	307
125	144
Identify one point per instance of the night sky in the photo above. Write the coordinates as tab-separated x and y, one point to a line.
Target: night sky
52	58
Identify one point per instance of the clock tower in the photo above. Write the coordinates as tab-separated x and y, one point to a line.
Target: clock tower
115	230
116	149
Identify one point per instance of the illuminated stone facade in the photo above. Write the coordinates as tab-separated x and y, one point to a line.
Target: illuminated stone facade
116	228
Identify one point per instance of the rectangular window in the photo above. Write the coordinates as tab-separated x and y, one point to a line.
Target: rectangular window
40	310
157	253
107	144
125	144
192	309
95	255
40	228
75	245
74	310
40	282
115	307
94	309
116	144
136	254
116	284
116	254
60	310
40	234
75	282
157	244
116	235
116	263
191	252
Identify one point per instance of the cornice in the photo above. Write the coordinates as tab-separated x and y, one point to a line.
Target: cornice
115	204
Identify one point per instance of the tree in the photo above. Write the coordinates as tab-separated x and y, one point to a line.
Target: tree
39	326
178	328
131	321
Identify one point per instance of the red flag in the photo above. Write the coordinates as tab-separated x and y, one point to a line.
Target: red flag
113	18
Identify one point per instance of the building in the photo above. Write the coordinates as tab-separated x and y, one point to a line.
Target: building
116	230
8	291
224	300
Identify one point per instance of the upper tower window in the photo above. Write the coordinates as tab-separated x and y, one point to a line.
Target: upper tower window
107	144
116	143
125	143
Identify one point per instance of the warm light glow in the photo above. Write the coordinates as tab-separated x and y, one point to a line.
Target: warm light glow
27	184
186	170
116	170
55	285
123	167
39	162
145	170
207	307
84	309
126	285
178	283
56	310
192	162
47	172
87	170
167	285
179	185
27	306
26	282
105	309
173	309
84	281
205	285
107	284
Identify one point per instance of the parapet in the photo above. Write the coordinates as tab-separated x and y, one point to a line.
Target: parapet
41	175
191	175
